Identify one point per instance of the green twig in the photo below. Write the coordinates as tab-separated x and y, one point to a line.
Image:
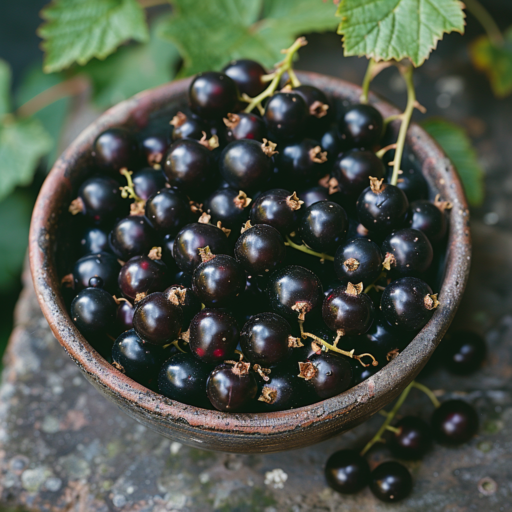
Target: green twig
486	20
307	250
128	191
366	81
428	392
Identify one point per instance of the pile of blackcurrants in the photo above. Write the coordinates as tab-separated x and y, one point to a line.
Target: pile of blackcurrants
253	261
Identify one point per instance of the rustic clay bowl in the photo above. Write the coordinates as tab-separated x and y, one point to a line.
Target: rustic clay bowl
243	433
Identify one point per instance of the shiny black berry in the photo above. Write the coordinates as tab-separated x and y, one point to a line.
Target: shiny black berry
294	292
408	304
347	472
148	181
93	240
411	181
413	439
278	208
362	125
463	351
93	311
231	388
285	116
167	211
183	378
124	316
265	339
359	372
154	146
229	206
186	299
116	148
391	481
323	226
312	195
141	275
348	311
245	126
188	126
430	219
454	422
318	108
260	250
301	162
130	237
245	165
101	199
197	236
212	95
332	142
213	336
408	252
247	75
283	390
157	320
358	261
102	265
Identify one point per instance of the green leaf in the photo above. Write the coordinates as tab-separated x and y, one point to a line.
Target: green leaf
14	223
495	61
78	30
212	34
457	146
132	69
22	144
5	88
397	29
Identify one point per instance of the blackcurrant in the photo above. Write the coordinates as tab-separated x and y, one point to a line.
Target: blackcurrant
260	249
229	206
148	181
154	146
347	472
318	108
408	304
283	390
277	208
362	125
93	311
353	169
101	265
348	310
358	261
141	276
265	339
301	162
245	126
218	281
454	422
157	320
138	360
412	440
382	207
212	95
115	148
183	378
187	126
407	252
285	116
189	166
411	181
359	372
124	316
246	165
197	236
232	387
332	142
391	481
327	374
213	335
167	211
313	195
93	240
294	292
247	75
186	299
430	219
323	226
130	237
463	351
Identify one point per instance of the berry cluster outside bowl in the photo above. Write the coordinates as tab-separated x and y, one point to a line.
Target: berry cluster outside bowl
239	432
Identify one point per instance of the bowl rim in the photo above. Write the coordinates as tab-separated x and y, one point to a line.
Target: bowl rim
377	390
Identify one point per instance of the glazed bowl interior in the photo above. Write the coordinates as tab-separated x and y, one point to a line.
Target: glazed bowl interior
244	433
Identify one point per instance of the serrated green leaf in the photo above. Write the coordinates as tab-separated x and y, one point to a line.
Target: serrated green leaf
5	88
397	29
22	144
78	30
132	69
495	61
457	146
212	34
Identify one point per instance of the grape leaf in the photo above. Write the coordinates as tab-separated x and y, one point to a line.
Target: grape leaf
495	61
457	146
78	30
22	144
211	35
5	87
132	69
397	29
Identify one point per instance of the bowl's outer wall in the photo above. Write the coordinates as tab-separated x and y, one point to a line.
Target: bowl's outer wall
243	433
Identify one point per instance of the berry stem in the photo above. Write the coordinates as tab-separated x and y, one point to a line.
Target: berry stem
366	81
390	119
128	191
486	20
393	429
406	119
428	392
307	250
390	416
281	68
372	285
